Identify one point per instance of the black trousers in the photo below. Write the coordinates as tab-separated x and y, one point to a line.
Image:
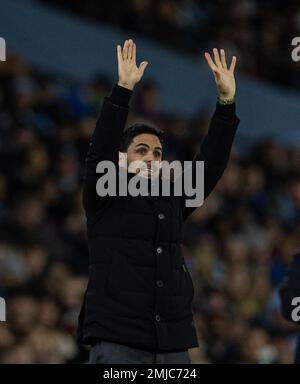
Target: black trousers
106	352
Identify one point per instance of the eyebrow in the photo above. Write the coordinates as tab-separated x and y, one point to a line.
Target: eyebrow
146	145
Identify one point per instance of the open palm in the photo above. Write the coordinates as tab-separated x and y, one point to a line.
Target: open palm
129	72
224	76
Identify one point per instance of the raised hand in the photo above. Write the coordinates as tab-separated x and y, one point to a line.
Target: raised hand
129	73
224	76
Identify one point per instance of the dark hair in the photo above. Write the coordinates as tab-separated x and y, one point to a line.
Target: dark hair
137	129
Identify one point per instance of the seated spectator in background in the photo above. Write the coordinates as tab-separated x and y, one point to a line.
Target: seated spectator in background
290	297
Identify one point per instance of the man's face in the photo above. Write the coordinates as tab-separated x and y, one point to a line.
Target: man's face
146	147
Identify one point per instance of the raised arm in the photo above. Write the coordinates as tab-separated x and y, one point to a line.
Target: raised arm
107	136
216	146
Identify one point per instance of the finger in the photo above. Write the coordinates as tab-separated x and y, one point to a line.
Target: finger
130	47
119	53
125	50
217	58
210	62
223	59
143	66
232	65
134	53
217	75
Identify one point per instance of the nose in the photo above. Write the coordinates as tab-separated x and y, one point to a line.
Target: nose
149	157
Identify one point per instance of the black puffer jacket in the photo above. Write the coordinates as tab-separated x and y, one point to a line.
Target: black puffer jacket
140	292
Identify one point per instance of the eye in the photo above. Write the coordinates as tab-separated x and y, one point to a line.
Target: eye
157	154
142	151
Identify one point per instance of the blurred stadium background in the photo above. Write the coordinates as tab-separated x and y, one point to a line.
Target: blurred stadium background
60	64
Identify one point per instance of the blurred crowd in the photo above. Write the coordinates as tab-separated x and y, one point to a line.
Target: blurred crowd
237	246
259	32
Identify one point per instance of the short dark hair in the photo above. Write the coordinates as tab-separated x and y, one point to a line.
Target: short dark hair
137	129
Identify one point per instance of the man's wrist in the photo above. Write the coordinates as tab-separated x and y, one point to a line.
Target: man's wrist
225	111
126	85
223	100
120	95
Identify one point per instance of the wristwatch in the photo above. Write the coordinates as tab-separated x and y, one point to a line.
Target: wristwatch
226	101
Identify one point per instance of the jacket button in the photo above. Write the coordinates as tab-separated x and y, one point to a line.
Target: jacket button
161	216
159	250
157	317
159	283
